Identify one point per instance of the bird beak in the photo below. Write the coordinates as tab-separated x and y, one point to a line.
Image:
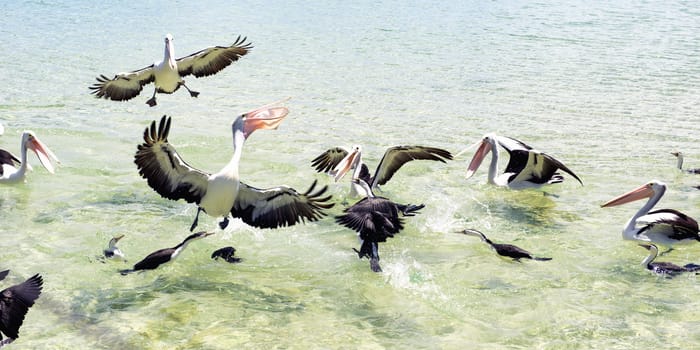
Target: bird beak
644	191
117	238
265	117
479	156
345	165
44	153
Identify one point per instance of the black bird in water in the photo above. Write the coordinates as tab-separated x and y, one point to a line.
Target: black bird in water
375	219
15	301
664	268
226	253
505	250
162	256
112	251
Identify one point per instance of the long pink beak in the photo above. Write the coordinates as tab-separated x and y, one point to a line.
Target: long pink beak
479	156
42	152
644	191
345	165
265	117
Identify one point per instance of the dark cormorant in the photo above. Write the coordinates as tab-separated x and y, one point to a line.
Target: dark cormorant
505	250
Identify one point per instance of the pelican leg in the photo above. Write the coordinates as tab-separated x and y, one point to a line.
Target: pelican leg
152	101
223	223
192	93
196	220
374	259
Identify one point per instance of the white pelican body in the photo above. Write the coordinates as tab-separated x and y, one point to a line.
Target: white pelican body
167	74
10	173
666	227
222	194
527	168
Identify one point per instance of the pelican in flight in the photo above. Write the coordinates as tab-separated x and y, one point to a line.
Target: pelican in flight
505	250
666	227
527	168
13	170
167	74
337	162
679	164
15	301
664	268
221	194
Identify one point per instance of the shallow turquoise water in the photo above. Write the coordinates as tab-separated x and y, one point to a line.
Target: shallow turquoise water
608	88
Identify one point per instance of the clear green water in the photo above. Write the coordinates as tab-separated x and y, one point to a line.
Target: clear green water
608	88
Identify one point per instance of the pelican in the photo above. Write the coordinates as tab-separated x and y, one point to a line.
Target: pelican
226	253
337	162
162	256
679	164
375	219
664	268
10	173
112	251
15	301
167	74
666	227
505	250
527	168
222	193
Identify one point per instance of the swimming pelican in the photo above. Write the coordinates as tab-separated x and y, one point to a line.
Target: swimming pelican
337	162
375	219
667	227
15	301
527	168
505	250
161	256
679	164
167	74
664	268
10	173
222	194
112	251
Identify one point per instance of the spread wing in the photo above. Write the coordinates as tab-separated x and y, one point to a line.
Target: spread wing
166	172
669	222
397	156
124	86
530	165
279	206
15	302
212	59
7	158
329	159
375	218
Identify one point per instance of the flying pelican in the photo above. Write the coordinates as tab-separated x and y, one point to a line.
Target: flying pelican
222	194
337	162
504	250
664	226
10	173
527	168
226	253
167	74
162	256
679	155
112	251
664	268
375	219
15	301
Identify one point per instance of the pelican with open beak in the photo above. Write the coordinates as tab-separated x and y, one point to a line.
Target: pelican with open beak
13	170
666	227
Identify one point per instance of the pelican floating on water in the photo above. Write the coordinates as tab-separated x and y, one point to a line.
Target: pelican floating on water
505	250
337	162
679	164
374	219
222	193
664	268
666	227
167	74
159	257
527	168
15	301
13	170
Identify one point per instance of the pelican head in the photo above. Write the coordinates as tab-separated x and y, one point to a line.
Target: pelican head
351	161
647	190
30	141
265	117
485	145
170	51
